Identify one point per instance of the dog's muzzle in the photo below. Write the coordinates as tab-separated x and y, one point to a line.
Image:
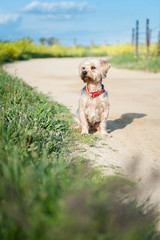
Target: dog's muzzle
84	73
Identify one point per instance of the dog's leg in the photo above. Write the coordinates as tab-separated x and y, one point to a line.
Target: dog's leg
97	127
84	123
103	124
77	121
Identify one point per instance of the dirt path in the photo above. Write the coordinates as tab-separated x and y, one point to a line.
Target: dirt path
134	120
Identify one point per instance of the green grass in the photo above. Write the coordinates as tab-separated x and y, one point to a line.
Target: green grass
45	193
130	61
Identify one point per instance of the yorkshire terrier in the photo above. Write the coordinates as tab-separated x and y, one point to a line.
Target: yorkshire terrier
93	109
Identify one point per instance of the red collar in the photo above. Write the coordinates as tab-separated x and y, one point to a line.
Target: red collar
94	94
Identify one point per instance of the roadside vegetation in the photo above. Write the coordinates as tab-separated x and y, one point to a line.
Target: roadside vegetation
25	49
46	191
129	61
120	55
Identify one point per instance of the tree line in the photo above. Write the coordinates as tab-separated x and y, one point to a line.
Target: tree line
48	41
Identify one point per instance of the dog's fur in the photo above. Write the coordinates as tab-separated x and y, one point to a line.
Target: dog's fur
93	112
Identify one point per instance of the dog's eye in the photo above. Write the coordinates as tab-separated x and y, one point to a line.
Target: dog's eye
93	67
83	68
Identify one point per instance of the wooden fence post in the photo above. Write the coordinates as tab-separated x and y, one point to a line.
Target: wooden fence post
133	36
137	36
147	36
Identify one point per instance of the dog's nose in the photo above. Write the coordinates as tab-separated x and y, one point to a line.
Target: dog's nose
84	73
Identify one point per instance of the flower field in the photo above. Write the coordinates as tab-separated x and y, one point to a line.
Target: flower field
25	49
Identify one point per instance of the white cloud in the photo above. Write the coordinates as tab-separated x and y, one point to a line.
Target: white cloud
6	18
56	17
68	8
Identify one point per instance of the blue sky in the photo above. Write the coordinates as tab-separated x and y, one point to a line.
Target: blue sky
86	20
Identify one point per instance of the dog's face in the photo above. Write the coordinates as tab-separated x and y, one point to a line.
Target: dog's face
93	70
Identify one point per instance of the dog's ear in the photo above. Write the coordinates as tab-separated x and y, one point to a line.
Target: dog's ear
104	67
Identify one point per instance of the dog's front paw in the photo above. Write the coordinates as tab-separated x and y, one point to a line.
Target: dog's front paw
105	135
84	133
78	128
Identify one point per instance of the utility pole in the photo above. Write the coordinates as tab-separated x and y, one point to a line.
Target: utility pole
133	36
91	46
55	41
74	42
137	36
147	36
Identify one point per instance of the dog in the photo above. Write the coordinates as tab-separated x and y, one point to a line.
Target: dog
93	109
